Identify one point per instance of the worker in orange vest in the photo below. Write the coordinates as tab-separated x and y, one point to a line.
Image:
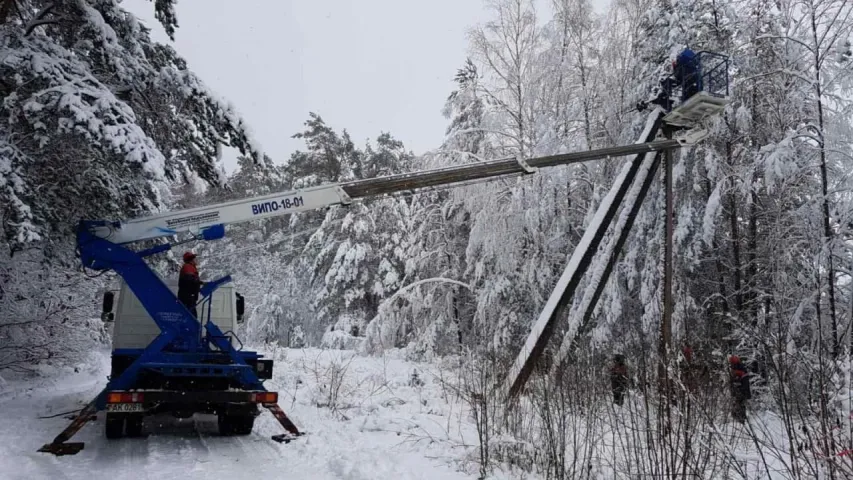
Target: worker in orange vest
189	283
739	384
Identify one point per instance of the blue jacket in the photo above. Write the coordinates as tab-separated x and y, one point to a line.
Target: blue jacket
686	66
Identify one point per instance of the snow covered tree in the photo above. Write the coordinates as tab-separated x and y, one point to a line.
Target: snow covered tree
573	77
359	259
279	314
509	47
440	312
330	157
96	121
85	88
821	29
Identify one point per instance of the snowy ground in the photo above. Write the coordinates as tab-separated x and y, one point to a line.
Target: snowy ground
364	417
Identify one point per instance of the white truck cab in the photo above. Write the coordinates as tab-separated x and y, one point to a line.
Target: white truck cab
134	327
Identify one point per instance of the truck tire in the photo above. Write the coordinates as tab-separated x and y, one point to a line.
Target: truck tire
236	424
114	426
133	425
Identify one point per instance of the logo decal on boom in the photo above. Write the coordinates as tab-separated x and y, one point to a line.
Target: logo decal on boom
193	220
276	205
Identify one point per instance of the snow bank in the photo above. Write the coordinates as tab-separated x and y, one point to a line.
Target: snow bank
341	340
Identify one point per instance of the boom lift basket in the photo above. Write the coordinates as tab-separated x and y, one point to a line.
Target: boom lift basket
703	94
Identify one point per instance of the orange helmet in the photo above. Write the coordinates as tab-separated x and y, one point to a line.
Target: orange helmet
188	256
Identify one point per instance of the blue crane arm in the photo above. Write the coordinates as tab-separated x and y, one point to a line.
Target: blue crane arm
170	315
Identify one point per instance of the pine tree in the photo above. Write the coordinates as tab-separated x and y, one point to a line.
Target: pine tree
442	312
360	248
96	121
90	114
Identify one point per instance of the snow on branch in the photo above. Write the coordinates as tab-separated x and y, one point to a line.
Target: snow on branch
72	101
383	329
19	225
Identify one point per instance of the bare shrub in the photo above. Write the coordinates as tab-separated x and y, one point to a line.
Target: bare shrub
48	314
332	389
569	412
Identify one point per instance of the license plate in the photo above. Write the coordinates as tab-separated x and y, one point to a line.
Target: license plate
125	407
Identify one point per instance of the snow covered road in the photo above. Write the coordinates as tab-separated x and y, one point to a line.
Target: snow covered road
364	418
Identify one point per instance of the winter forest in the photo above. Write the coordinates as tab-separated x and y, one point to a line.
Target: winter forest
100	122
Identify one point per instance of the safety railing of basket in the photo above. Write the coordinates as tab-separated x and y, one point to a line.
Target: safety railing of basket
714	73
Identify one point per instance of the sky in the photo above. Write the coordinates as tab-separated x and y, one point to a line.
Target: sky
367	66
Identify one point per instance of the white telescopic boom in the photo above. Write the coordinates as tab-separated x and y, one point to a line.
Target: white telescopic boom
197	219
284	203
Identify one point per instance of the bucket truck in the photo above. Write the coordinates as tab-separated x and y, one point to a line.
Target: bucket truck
192	365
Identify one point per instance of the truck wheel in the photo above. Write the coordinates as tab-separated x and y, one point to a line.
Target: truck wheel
236	424
133	426
114	425
243	425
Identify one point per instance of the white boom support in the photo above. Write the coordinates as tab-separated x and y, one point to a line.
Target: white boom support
197	219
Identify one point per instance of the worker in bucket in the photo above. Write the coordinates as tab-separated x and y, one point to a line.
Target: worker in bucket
685	73
189	283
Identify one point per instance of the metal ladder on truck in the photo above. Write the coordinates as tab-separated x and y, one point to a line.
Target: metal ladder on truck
184	344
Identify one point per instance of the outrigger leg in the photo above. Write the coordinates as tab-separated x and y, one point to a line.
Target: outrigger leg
285	422
58	447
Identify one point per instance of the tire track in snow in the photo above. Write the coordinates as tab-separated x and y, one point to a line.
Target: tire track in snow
120	455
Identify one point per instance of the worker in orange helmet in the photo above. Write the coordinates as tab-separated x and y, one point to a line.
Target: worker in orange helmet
189	283
739	383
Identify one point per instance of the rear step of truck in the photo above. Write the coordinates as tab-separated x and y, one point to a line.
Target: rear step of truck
117	400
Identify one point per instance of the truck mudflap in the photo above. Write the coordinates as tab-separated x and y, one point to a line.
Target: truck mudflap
114	399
